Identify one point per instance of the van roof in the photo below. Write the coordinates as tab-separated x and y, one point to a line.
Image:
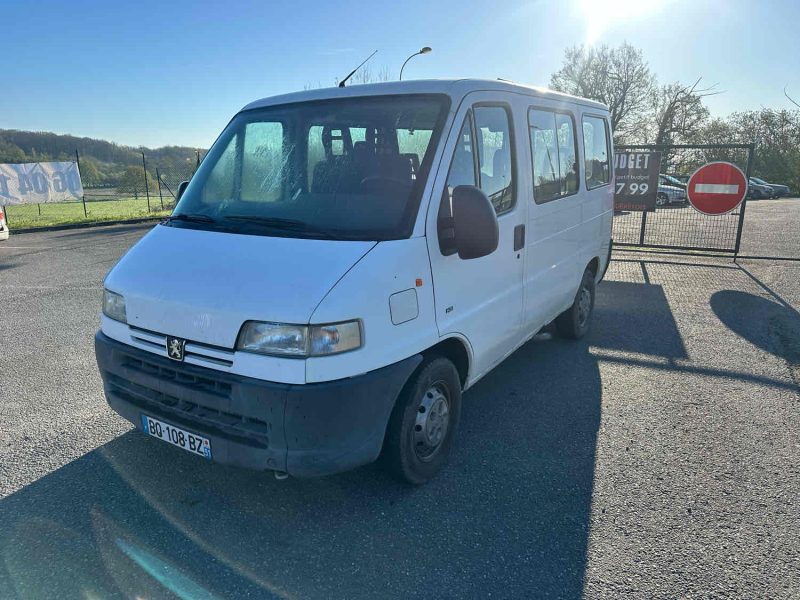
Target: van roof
455	88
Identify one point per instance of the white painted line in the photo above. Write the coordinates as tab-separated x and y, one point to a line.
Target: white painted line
716	188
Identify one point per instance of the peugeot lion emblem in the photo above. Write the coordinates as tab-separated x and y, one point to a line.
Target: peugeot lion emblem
175	348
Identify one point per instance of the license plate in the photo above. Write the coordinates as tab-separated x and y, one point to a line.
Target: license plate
191	442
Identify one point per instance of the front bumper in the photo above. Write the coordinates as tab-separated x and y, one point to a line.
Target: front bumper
305	430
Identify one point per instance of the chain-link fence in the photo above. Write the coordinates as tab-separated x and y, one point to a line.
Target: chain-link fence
675	225
153	183
117	192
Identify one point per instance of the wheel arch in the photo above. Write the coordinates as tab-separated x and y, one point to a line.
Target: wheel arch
456	350
594	266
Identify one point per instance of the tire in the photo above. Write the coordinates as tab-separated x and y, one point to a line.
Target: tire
662	200
574	322
418	441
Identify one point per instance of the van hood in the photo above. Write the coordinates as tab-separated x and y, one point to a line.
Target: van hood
202	285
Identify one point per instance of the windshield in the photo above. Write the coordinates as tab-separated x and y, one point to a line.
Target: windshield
352	168
758	181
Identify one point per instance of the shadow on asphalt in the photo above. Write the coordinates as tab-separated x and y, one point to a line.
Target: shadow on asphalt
770	325
510	515
632	309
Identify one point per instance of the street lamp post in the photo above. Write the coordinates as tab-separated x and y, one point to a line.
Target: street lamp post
424	50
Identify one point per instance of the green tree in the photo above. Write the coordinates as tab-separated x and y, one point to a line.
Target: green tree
90	175
775	134
11	153
133	181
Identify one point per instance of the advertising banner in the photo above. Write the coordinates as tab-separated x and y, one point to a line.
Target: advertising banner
636	180
39	183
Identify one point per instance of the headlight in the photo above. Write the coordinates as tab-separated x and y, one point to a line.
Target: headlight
299	340
114	306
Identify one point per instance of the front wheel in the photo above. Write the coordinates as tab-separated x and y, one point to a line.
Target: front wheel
662	200
424	422
574	322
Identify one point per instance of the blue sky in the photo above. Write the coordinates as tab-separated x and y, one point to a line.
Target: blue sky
156	73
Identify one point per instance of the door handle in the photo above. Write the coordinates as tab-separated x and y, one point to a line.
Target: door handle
519	237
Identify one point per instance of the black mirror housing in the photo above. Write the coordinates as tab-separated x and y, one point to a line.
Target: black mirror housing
181	188
474	222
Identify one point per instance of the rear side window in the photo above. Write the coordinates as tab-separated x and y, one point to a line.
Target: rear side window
596	145
553	155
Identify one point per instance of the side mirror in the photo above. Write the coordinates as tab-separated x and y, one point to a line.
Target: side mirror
475	227
181	188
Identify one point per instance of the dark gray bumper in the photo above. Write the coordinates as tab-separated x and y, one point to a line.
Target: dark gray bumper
305	430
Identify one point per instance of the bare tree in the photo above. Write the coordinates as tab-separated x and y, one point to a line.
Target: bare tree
792	100
618	77
365	75
678	113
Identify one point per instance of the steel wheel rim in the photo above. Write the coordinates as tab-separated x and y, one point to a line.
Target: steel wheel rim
432	421
584	305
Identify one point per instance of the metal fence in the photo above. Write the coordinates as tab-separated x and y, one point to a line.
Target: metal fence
122	191
675	225
153	182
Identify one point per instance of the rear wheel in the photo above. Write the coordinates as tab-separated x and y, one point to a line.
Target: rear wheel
423	422
662	200
574	322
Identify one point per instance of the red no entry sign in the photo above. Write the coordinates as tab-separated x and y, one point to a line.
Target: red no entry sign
717	188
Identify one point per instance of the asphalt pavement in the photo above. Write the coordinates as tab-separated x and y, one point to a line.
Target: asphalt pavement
659	458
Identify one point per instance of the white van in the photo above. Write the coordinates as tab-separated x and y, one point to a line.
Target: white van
346	262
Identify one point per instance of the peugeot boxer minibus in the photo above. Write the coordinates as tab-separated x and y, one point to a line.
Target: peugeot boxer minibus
346	262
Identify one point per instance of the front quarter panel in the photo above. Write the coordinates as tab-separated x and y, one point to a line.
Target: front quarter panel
364	293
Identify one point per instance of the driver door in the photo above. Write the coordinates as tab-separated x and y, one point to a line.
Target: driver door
481	299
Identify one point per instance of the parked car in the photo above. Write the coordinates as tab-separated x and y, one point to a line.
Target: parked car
682	179
758	191
320	309
778	190
670	191
672	181
3	225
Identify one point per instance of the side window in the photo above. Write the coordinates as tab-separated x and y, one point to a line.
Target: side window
553	155
493	140
596	150
567	154
262	162
462	167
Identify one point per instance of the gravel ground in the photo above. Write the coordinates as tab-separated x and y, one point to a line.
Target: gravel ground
659	458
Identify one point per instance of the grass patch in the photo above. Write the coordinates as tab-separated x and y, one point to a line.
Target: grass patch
45	215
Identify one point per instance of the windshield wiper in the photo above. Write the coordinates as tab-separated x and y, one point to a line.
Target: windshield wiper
193	218
281	223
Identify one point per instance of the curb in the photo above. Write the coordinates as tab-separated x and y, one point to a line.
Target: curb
84	225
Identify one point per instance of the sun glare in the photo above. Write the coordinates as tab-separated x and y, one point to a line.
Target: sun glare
601	15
